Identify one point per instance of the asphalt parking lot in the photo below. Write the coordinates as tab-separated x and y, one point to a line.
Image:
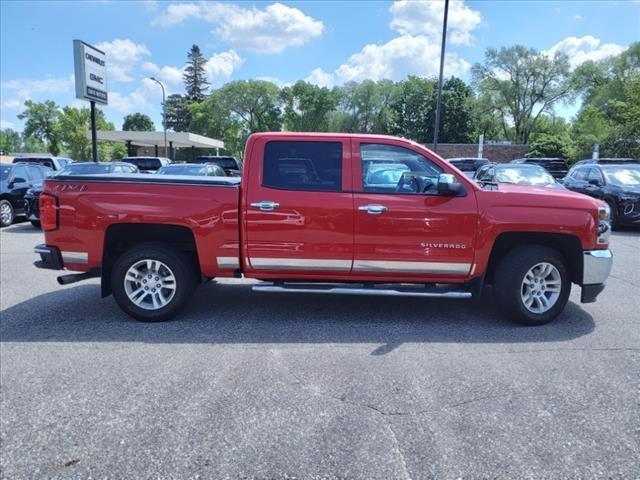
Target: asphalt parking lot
247	385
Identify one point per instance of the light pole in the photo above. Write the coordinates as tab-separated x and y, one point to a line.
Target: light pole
439	101
164	114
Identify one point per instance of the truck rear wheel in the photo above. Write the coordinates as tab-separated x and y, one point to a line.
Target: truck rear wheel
152	283
531	285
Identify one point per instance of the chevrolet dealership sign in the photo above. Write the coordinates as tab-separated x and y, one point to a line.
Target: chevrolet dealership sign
91	72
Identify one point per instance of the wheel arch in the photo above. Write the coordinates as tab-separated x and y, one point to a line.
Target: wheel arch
119	237
567	245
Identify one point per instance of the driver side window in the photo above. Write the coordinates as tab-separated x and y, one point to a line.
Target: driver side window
393	169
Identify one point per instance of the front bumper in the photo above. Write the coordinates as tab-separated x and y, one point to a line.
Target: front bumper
595	271
32	208
50	257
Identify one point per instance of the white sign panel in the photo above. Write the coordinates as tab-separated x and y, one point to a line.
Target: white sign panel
91	72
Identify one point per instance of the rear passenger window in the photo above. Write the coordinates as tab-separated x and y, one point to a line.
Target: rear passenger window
314	166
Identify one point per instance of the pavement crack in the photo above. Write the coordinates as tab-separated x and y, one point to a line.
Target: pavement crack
398	451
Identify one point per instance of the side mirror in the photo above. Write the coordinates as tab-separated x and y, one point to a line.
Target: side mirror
447	185
594	181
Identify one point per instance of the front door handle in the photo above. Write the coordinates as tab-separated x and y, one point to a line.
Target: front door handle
266	205
373	209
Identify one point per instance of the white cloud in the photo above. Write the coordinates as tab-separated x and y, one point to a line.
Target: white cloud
7	124
274	80
585	48
577	17
321	78
145	98
401	56
410	17
123	55
268	30
221	66
16	92
171	76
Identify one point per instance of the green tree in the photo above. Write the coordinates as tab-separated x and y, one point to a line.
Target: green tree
364	107
549	145
10	141
75	126
307	107
413	109
31	144
457	112
177	113
138	122
254	104
610	113
195	77
522	84
213	119
43	123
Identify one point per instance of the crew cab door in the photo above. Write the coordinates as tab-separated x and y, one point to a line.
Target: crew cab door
298	210
402	233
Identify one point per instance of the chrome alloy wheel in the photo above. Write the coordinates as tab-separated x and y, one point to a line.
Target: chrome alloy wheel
150	284
5	213
541	287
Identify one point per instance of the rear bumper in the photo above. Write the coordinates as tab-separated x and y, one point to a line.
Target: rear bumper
50	257
595	271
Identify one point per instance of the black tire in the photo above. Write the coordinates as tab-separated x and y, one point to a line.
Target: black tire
6	220
508	278
35	223
180	265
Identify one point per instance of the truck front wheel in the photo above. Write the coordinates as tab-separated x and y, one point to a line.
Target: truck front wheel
531	284
152	283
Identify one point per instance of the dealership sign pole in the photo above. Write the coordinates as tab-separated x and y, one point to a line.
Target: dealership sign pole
439	101
90	66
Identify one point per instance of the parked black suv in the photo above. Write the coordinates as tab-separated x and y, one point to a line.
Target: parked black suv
231	165
607	161
15	180
555	166
616	184
32	196
54	163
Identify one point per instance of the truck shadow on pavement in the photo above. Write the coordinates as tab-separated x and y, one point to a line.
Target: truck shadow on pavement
233	314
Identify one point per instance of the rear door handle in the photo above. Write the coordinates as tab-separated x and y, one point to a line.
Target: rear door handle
373	209
266	205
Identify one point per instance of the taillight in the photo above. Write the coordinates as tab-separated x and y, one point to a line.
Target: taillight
48	211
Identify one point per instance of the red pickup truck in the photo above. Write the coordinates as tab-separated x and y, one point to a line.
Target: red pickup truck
327	213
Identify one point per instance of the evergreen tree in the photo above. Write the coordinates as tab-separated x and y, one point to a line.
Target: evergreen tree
195	78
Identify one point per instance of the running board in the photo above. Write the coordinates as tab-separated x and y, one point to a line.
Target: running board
429	292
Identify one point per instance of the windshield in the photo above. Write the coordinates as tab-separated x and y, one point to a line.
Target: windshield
84	169
5	171
524	176
183	170
623	176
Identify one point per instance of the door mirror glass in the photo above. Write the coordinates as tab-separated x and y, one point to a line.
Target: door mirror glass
448	185
18	180
594	181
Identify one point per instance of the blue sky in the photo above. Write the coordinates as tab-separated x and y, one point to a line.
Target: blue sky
325	42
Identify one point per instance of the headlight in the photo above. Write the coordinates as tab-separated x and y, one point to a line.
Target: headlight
604	227
604	214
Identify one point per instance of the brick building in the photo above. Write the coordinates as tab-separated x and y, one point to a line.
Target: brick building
495	152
